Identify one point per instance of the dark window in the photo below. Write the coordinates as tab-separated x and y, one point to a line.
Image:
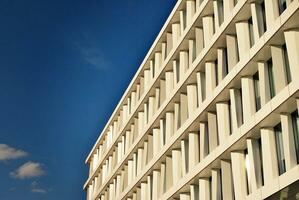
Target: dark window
282	5
257	91
261	156
287	64
271	77
264	15
251	31
279	149
295	120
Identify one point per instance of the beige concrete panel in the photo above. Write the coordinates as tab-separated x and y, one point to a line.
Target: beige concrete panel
288	141
292	44
223	121
232	51
158	62
140	122
176	33
169	80
213	131
264	84
193	149
204	189
156	184
150	146
130	171
163	180
248	98
236	109
169	43
145	155
177	118
216	184
183	64
272	12
157	142
190	10
146	79
169	126
144	191
226	180
228	6
199	40
239	175
151	107
140	158
279	71
208	29
203	141
185	196
183	108
211	81
197	4
162	91
169	173
192	99
243	38
176	165
269	156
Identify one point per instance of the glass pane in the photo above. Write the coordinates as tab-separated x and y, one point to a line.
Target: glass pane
257	91
271	77
287	65
279	149
295	120
282	5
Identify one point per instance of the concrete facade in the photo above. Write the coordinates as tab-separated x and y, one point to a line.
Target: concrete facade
212	112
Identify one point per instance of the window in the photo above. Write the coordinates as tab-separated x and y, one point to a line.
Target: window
287	64
251	32
220	11
264	16
295	120
216	72
261	156
271	77
282	5
248	175
279	149
257	91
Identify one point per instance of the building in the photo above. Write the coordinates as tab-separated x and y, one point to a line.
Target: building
212	112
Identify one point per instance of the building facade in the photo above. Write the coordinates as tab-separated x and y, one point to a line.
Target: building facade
212	112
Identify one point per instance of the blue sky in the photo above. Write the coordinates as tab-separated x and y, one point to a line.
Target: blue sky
64	65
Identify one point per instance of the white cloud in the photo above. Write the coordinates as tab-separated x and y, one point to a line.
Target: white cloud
9	153
35	188
90	52
28	170
38	190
